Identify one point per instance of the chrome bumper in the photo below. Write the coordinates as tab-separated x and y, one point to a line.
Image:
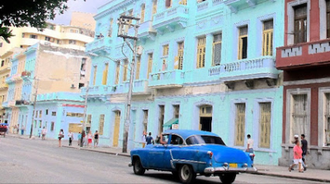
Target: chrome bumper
212	170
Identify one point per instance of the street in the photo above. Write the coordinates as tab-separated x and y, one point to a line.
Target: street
37	161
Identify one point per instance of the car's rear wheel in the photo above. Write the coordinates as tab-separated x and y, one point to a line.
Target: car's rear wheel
227	178
186	174
137	167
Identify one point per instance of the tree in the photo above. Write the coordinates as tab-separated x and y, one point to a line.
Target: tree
34	13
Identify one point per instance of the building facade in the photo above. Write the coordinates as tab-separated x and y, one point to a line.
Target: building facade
42	69
304	59
203	65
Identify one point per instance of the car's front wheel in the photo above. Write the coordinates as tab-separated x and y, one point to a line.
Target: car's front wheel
227	178
186	174
137	167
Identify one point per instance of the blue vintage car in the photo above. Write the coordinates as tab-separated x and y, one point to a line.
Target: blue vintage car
187	153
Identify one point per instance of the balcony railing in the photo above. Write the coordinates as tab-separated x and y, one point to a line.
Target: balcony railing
167	79
139	87
96	91
303	54
257	68
171	17
99	45
60	96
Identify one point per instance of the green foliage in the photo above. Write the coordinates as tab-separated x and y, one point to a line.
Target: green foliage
34	13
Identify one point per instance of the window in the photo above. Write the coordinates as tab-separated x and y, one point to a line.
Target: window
176	111
300	23
72	114
217	39
125	70
52	126
34	36
240	124
328	18
94	75
46	112
110	28
183	2
165	50
143	9
176	140
40	114
89	119
47	38
179	59
154	8
105	74
161	118
138	65
36	115
23	35
145	119
299	114
264	125
327	119
101	124
242	42
267	38
54	113
117	72
73	42
149	64
1	44
201	52
168	3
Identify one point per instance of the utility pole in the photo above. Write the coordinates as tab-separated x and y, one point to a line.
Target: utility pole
124	23
84	120
34	105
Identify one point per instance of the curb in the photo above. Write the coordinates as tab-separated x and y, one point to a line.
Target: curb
292	177
99	151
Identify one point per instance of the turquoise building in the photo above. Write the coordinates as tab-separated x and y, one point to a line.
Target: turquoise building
207	65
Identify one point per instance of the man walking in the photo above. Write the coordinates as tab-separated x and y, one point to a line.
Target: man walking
43	133
304	145
249	146
149	139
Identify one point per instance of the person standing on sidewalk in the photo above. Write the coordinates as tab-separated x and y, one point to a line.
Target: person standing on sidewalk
79	138
60	136
249	146
43	132
89	139
297	157
304	146
144	137
22	129
96	138
70	135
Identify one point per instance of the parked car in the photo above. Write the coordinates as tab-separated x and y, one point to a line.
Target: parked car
187	153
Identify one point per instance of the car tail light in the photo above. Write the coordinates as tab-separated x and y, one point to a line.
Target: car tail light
252	154
210	154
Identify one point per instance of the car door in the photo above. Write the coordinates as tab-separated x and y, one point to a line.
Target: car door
156	155
175	144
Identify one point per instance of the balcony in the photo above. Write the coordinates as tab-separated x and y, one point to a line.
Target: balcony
302	55
99	45
96	92
167	79
235	5
145	31
170	18
247	70
140	87
60	96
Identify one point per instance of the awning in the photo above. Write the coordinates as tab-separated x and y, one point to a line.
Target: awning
171	122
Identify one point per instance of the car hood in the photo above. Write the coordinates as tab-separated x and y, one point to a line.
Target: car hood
226	154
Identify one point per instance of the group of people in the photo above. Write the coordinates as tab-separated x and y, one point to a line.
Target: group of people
299	153
16	127
146	140
81	138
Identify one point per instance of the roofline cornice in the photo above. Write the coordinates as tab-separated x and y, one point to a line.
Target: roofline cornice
114	8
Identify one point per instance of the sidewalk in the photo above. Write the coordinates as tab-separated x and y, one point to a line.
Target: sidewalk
270	170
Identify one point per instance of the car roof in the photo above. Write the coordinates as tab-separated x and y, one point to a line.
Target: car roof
187	133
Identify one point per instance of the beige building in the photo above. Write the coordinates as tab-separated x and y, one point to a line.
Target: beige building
42	69
73	36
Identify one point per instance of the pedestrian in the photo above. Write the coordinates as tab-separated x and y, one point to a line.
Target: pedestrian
79	138
60	136
96	138
304	146
70	135
297	157
17	129
144	136
22	129
43	133
249	146
89	139
39	132
149	139
83	135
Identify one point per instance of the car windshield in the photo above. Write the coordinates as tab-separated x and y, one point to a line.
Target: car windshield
204	139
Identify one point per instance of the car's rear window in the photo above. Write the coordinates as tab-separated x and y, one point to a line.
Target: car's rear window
204	139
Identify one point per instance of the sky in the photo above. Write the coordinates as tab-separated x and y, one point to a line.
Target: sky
88	6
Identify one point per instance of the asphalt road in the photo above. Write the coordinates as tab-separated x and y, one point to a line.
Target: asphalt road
37	161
